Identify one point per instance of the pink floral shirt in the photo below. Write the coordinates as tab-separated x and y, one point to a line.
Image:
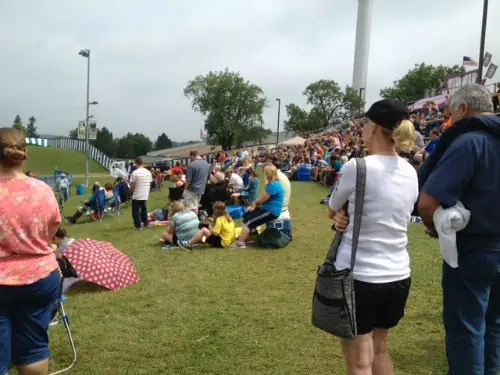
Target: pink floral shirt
29	219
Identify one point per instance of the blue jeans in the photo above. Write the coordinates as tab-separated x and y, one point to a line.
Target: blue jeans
25	314
140	213
63	195
471	313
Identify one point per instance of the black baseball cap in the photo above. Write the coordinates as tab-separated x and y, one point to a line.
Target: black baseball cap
388	113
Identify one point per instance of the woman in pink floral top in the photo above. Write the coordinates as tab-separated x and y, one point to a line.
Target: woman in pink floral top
29	276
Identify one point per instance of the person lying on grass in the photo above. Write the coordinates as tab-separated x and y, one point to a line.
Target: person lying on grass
267	208
184	224
160	214
220	235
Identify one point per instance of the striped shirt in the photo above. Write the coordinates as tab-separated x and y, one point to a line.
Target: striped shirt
186	225
142	179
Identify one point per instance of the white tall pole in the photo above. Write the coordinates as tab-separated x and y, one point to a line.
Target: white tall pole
87	171
362	49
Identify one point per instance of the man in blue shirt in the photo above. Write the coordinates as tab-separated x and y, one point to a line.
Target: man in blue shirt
465	167
434	141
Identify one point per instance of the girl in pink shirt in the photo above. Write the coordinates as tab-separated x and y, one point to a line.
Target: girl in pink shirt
29	276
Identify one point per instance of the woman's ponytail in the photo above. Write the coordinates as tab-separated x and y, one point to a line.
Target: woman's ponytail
404	136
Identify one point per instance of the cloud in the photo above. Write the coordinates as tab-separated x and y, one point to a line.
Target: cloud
143	53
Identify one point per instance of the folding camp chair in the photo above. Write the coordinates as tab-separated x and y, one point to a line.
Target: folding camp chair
60	317
107	207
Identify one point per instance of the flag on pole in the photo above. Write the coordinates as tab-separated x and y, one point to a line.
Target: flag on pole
487	59
469	61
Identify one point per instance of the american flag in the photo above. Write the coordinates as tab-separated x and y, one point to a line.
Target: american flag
469	61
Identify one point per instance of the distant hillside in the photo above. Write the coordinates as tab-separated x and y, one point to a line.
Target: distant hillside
43	160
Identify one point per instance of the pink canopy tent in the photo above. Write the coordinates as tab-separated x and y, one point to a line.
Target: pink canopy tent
440	100
295	141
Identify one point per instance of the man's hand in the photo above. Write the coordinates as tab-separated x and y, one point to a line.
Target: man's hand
341	221
431	232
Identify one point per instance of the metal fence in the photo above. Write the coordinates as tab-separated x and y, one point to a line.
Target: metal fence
73	144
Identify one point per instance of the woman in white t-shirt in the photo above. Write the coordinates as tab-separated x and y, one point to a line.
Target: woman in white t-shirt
382	267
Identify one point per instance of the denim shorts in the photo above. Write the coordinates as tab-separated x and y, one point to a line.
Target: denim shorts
25	314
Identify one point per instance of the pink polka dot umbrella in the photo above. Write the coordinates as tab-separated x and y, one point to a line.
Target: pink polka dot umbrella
99	262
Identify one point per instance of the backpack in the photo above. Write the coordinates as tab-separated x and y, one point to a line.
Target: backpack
273	238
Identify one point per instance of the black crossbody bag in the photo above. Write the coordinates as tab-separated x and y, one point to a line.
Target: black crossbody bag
334	302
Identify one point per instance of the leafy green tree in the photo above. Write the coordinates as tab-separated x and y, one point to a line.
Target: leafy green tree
73	134
163	142
330	106
18	124
232	105
133	145
297	119
31	128
104	141
419	81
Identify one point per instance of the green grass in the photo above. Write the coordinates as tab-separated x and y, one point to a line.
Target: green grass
43	160
251	307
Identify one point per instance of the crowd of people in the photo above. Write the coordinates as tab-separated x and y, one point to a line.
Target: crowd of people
201	215
457	171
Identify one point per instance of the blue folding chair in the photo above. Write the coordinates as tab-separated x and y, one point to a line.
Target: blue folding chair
107	207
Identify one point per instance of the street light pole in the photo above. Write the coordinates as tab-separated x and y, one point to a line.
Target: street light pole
86	53
483	38
278	126
87	169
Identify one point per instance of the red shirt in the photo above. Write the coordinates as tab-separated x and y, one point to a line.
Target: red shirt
177	170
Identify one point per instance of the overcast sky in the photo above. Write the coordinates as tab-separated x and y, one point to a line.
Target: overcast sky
144	52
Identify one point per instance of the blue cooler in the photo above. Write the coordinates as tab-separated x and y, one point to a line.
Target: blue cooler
236	212
81	190
284	226
304	174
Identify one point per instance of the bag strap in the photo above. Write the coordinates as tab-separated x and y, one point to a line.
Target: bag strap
358	213
358	206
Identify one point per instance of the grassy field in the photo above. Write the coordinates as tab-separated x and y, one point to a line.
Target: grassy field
43	160
234	311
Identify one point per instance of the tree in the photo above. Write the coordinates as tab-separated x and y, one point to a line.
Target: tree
163	142
330	106
232	105
73	134
419	81
104	141
133	145
31	128
18	124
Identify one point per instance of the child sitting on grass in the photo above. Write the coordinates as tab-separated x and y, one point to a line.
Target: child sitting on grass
220	235
183	226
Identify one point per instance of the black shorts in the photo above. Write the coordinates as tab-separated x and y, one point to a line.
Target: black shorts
380	305
258	217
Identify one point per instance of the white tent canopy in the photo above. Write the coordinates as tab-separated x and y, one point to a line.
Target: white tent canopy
295	141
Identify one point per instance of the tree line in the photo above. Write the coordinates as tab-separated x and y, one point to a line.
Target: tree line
233	108
130	145
29	130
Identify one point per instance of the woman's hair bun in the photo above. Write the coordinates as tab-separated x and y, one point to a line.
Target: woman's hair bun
14	155
12	147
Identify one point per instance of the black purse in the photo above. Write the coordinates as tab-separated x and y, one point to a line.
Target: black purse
334	302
